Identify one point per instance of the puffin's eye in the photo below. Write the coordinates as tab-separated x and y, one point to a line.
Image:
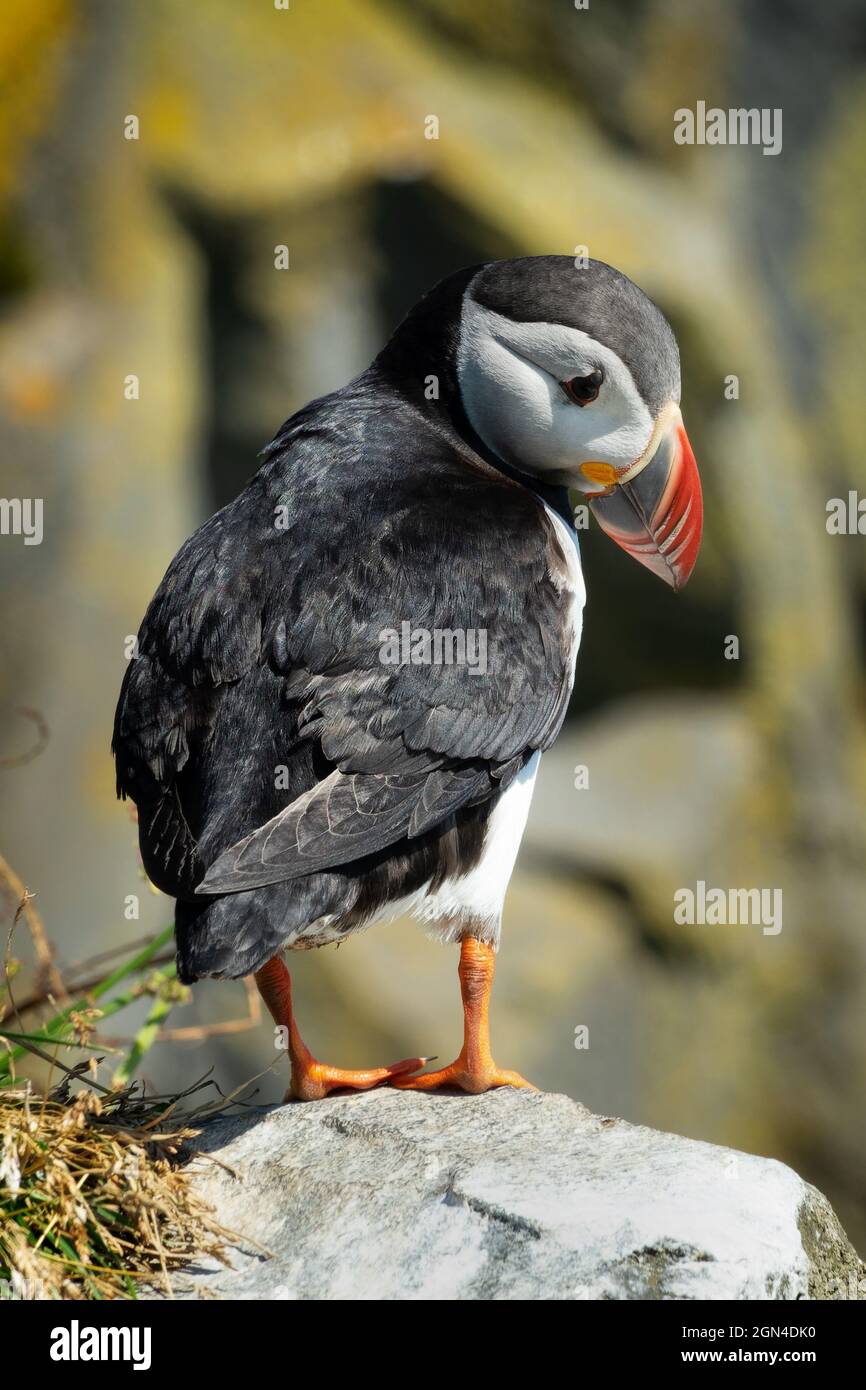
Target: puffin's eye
583	389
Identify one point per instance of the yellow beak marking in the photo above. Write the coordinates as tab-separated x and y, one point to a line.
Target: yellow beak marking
603	473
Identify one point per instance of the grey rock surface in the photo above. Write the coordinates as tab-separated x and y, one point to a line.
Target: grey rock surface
510	1195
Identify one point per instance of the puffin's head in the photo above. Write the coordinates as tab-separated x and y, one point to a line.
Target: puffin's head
573	376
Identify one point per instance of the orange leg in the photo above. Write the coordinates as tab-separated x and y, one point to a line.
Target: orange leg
311	1080
474	1070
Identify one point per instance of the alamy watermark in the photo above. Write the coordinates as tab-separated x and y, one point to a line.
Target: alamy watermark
846	516
77	1343
438	646
22	516
852	1289
710	907
736	126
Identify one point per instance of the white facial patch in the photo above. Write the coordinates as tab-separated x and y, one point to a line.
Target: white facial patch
510	375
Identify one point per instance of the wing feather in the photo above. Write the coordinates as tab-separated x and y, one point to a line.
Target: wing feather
246	615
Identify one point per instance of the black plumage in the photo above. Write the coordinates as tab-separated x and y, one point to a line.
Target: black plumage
284	776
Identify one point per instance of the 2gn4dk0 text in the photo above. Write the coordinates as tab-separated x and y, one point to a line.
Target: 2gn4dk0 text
740	1333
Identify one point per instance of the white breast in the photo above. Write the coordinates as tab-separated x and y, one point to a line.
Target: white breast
567	537
477	897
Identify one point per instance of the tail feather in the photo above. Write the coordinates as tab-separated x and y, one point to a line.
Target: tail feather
235	935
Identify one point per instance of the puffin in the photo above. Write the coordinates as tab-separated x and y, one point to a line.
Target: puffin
343	686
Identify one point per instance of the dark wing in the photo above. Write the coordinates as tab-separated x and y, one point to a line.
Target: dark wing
201	633
409	744
264	636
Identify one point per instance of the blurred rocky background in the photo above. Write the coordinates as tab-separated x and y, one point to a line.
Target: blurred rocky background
306	127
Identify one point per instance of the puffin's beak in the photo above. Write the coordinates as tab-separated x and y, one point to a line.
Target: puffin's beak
654	509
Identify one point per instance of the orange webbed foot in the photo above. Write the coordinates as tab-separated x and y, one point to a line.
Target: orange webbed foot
312	1080
474	1080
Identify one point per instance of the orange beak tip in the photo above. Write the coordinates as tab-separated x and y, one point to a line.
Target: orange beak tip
656	516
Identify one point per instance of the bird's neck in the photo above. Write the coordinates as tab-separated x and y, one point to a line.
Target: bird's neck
420	363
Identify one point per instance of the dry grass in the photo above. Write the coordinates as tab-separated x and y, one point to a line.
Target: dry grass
92	1201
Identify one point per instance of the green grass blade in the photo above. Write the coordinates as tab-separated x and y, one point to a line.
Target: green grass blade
56	1025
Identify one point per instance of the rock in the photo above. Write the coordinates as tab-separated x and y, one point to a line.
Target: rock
510	1195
